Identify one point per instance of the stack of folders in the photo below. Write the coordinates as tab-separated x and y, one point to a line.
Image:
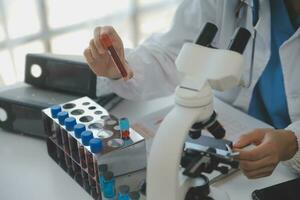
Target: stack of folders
50	80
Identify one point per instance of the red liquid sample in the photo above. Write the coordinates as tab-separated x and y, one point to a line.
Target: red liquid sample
82	156
106	41
125	135
90	163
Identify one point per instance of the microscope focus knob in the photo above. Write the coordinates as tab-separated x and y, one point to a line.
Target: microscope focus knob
217	130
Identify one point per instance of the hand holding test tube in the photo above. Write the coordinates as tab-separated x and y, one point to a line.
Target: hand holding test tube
106	42
105	54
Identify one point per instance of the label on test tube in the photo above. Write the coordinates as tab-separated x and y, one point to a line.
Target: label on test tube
124	128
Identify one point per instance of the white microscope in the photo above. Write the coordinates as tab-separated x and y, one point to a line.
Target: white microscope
175	166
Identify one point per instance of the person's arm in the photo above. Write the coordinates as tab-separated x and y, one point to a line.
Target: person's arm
153	62
294	162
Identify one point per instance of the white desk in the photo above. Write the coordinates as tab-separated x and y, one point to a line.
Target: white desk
27	172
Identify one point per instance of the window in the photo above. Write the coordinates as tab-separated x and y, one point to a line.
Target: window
66	26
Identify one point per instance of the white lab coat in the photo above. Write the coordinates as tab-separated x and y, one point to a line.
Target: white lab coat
155	73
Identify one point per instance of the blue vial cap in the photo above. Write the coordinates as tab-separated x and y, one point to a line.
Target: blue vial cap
86	136
70	122
96	145
124	124
55	110
62	116
78	129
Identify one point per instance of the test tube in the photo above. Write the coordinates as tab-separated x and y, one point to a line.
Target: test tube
62	159
69	165
93	183
74	145
102	169
61	116
96	147
124	128
86	136
54	126
70	122
77	173
85	180
123	192
107	42
109	185
78	129
134	196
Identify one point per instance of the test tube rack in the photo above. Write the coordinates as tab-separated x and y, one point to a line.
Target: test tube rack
125	158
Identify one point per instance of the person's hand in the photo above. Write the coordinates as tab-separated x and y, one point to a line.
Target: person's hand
98	57
271	147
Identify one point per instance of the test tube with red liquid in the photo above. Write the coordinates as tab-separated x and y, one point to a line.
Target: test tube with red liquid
124	128
107	43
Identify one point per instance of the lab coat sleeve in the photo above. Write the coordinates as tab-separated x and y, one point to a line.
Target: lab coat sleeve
294	163
153	62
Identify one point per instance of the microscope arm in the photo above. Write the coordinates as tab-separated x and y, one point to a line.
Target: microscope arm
164	160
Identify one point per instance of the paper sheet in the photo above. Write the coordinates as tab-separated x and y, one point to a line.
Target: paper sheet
234	121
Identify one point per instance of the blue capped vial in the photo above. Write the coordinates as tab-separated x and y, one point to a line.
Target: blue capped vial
123	192
62	116
109	184
55	110
70	122
78	129
96	145
86	136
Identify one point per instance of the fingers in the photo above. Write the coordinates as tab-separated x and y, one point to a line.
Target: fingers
116	40
99	46
94	51
259	173
257	153
89	57
259	168
249	166
253	137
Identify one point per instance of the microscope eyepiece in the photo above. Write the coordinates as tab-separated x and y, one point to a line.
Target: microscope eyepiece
240	40
207	35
